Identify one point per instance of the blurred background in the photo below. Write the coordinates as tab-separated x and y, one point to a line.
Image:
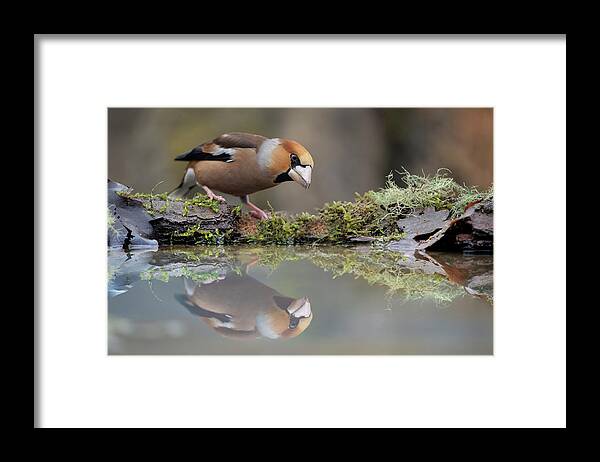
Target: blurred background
353	148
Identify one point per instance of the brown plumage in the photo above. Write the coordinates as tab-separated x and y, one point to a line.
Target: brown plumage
244	163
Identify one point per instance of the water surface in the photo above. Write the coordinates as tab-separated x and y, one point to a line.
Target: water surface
298	300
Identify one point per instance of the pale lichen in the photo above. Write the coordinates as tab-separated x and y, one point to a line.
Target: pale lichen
373	214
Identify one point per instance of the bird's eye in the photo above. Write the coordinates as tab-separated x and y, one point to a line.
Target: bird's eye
293	322
294	159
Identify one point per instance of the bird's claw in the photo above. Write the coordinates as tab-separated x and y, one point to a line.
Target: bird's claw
260	215
217	198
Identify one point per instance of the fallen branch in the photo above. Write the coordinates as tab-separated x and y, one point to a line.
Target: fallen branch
429	213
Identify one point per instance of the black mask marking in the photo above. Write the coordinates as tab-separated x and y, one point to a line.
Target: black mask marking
283	177
295	161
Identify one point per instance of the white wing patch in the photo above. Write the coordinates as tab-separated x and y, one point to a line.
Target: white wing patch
221	150
224	151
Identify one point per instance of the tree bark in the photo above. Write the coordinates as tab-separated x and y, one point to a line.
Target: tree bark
140	222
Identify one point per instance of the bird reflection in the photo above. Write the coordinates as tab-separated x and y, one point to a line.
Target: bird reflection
241	307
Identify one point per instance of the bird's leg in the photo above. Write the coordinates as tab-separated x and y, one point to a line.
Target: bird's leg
211	194
252	263
255	211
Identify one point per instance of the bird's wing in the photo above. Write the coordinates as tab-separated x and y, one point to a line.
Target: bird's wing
283	302
223	147
199	311
239	140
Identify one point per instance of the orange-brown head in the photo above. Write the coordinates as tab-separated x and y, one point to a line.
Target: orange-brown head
287	318
288	160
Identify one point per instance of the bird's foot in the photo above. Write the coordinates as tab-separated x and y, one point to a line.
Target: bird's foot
260	214
255	211
217	198
212	195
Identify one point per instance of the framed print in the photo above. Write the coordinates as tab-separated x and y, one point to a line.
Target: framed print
357	222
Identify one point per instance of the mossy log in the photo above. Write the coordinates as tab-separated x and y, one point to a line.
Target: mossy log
181	224
419	217
138	220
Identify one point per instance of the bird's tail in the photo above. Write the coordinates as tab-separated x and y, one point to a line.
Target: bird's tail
178	193
187	184
189	155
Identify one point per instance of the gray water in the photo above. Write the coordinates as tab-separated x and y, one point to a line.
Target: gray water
298	300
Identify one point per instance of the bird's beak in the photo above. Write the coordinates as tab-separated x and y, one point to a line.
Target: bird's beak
301	175
300	308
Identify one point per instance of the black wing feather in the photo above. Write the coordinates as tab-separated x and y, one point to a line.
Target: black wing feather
199	311
198	154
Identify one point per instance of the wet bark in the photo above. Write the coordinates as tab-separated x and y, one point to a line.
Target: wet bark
129	225
146	223
139	223
428	229
472	232
170	227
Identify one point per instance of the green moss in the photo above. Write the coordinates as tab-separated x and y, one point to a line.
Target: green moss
205	236
468	196
154	274
377	267
200	200
200	253
420	191
373	214
149	199
384	268
341	220
308	227
143	196
272	256
345	220
236	211
199	276
277	229
335	222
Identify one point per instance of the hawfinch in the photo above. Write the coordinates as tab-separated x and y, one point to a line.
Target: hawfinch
241	164
241	307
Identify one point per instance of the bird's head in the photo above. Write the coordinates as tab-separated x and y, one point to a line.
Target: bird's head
292	162
286	318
